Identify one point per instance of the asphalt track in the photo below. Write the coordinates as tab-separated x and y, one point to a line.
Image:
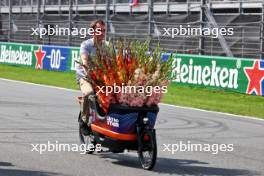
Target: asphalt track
31	114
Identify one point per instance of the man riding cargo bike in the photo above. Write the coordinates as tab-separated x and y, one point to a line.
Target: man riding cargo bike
87	51
124	118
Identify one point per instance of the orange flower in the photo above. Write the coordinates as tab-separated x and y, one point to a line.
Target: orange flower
104	101
120	77
119	61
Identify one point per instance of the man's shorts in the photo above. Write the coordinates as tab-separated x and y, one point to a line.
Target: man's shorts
85	87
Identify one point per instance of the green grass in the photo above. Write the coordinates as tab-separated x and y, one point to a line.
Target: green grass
202	98
60	79
215	100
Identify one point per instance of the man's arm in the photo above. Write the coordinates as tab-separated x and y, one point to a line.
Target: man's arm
84	60
84	55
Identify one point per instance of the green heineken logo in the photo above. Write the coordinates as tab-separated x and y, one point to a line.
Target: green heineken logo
206	74
15	55
74	54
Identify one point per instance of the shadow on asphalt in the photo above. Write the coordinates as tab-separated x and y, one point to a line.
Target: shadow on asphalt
176	166
5	164
20	172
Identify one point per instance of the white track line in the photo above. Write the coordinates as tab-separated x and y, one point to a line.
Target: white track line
41	85
71	90
216	112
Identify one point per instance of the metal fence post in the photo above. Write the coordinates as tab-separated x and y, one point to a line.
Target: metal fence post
188	7
114	6
94	7
38	18
76	8
10	23
107	10
150	19
168	7
70	23
202	20
43	6
240	7
59	4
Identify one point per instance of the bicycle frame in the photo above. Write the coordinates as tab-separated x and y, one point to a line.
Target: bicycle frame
124	127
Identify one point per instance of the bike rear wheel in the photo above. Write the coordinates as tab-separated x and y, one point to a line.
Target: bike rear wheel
88	141
148	153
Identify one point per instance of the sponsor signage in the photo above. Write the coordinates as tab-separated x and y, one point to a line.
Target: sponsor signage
240	75
56	58
40	57
74	55
235	74
16	54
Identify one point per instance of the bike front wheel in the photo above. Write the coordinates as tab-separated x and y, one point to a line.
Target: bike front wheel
148	153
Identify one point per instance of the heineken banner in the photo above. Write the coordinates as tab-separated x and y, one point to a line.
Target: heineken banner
240	75
46	57
17	54
235	74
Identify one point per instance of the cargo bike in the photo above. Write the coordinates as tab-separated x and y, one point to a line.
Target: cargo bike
123	128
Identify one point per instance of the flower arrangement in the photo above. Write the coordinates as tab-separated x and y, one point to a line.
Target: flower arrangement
142	74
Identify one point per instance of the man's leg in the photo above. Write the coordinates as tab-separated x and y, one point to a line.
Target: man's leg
87	90
85	109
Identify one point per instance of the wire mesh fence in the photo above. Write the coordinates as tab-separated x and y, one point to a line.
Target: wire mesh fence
245	42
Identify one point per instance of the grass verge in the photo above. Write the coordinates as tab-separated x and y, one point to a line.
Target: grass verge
59	79
215	100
